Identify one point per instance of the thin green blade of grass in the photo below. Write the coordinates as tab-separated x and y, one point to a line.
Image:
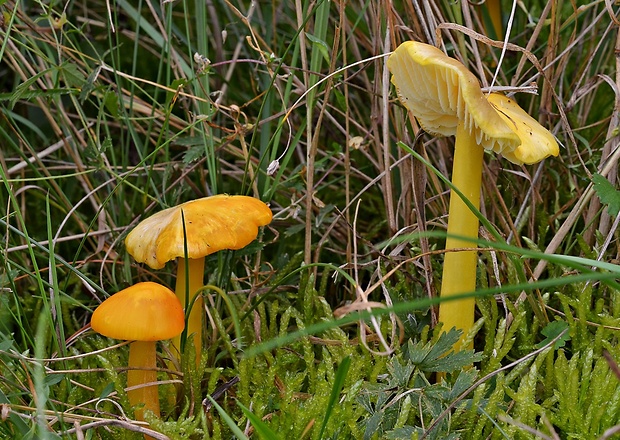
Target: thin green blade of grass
577	263
33	244
421	304
151	32
261	427
341	375
55	306
229	305
228	420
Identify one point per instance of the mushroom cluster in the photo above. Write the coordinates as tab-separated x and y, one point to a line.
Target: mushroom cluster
447	100
148	312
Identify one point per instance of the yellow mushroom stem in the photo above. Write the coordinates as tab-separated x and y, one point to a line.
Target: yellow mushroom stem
142	363
459	268
185	293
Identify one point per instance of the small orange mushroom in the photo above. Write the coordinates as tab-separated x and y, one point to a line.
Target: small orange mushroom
211	224
144	313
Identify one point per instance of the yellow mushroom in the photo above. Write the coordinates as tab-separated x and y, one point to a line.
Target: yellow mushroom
211	224
446	100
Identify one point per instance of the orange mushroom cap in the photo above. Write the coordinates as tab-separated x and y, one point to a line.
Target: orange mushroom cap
143	312
211	224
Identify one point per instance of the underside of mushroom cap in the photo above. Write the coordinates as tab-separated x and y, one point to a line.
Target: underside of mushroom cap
441	93
211	224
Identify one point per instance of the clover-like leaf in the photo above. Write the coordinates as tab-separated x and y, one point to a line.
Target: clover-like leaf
551	331
608	194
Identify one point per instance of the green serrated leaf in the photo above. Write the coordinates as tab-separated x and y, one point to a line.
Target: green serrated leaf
289	232
194	153
105	145
436	356
452	362
72	75
416	353
444	344
464	380
419	352
189	141
551	331
401	373
608	194
404	433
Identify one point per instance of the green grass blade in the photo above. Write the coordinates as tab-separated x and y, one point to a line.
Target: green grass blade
261	427
341	375
228	420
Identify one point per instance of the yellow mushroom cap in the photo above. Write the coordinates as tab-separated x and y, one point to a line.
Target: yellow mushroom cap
537	142
211	224
143	312
441	93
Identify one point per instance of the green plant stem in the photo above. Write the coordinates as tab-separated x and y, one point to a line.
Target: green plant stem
459	269
185	291
142	361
